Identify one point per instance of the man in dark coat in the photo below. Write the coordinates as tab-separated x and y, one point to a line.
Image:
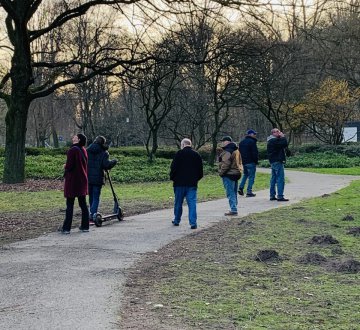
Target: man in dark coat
76	183
250	158
276	146
185	172
98	162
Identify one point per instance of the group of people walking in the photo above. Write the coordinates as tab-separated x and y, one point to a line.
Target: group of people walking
84	175
235	162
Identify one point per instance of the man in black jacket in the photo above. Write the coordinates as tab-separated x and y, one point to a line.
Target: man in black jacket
185	172
276	146
98	162
250	158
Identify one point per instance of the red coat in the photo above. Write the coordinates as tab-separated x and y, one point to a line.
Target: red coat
76	180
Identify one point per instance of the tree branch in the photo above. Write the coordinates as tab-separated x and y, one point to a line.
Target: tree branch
8	7
4	80
74	12
79	78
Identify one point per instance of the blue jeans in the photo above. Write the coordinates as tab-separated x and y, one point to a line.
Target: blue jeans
249	173
94	198
190	193
278	179
231	188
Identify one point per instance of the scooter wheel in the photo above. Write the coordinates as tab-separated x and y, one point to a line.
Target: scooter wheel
98	220
120	215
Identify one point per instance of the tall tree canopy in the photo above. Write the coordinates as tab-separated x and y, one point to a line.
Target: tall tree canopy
61	64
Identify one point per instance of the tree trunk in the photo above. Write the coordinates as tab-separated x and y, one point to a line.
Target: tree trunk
14	163
154	144
153	136
212	156
55	136
18	102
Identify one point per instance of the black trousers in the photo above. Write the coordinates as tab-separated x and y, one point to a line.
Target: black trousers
70	211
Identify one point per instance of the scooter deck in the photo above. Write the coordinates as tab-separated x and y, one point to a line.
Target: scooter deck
99	219
109	217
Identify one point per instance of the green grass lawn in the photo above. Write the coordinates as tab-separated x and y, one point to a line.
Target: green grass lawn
210	187
338	171
213	281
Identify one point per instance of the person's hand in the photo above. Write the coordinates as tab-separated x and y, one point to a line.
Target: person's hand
281	134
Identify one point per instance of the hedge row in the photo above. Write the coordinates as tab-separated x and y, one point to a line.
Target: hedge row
128	169
347	149
134	167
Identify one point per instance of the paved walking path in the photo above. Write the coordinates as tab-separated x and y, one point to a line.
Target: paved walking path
76	281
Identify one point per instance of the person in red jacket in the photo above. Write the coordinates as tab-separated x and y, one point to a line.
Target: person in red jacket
76	183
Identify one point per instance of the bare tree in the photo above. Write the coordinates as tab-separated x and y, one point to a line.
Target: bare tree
18	87
43	118
156	83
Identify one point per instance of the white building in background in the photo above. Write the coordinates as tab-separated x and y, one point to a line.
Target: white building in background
351	132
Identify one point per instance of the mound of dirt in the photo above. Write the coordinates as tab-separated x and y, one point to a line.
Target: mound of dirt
267	255
347	266
324	239
354	231
302	220
337	250
348	217
312	258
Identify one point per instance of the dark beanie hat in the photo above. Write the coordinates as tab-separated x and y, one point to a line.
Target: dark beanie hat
100	140
82	139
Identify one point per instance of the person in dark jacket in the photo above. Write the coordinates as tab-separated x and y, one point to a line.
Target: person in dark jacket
186	170
230	168
98	162
250	158
276	146
76	183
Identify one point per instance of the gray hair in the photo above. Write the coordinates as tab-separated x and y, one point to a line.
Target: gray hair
185	143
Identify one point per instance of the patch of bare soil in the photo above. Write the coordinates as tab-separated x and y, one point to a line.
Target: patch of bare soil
18	226
354	231
337	250
21	226
348	266
32	185
303	221
324	240
267	255
348	217
312	258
